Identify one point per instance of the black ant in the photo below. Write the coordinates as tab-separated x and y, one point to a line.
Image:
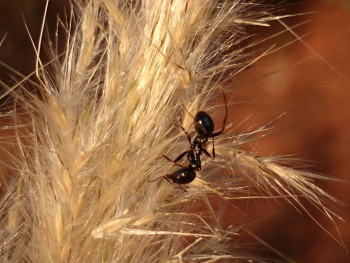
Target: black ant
204	127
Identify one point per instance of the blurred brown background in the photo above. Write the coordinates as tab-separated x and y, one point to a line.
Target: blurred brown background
314	93
316	96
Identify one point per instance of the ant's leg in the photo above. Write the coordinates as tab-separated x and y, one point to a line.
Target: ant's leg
213	149
183	105
223	125
177	159
208	154
187	134
224	122
166	178
182	188
180	156
183	129
149	181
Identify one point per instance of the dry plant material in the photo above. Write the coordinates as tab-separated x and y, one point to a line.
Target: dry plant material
96	128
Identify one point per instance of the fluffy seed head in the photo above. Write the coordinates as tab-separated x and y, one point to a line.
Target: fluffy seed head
90	138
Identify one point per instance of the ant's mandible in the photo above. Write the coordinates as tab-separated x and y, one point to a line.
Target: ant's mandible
204	127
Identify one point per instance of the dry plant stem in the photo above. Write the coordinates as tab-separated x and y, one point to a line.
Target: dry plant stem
99	125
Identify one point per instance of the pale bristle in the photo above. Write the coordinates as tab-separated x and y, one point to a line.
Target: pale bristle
89	148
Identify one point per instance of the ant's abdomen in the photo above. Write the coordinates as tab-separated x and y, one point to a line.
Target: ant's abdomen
183	176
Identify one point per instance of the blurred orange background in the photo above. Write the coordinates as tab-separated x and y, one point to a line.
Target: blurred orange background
314	91
315	94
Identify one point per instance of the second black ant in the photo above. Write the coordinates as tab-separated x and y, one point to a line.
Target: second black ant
204	127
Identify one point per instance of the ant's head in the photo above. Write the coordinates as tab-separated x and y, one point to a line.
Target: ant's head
203	124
